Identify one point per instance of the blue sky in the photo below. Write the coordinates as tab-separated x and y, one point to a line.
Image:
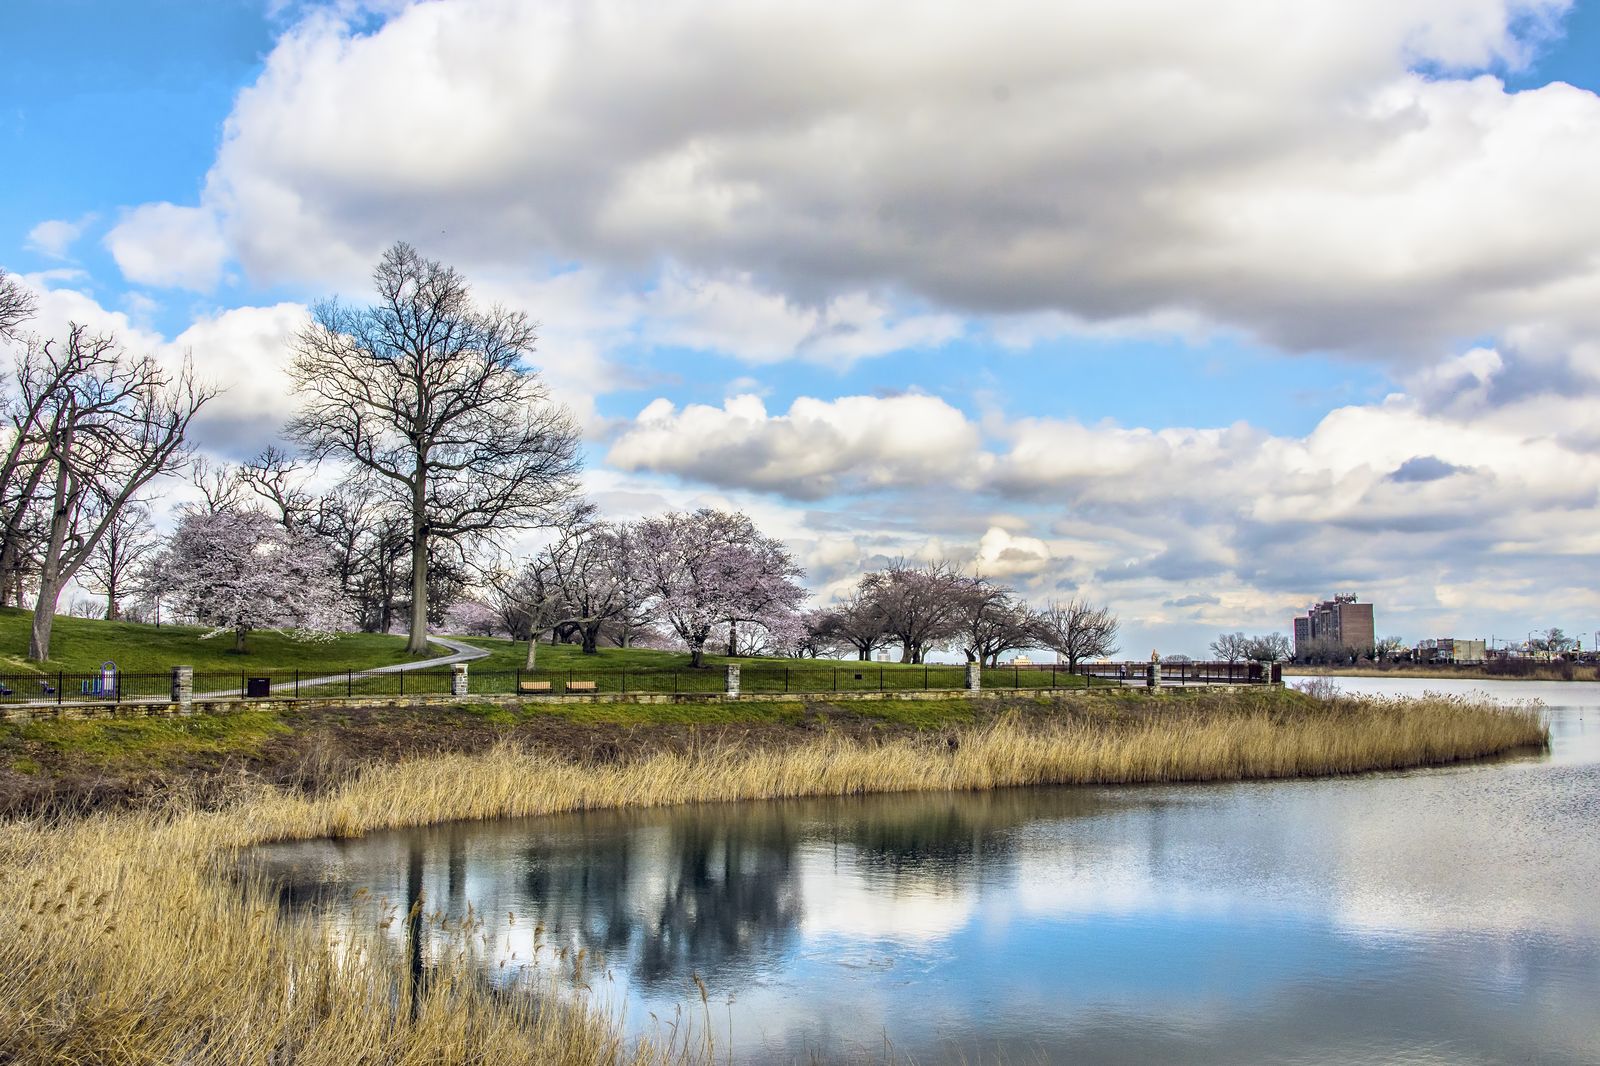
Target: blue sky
1161	299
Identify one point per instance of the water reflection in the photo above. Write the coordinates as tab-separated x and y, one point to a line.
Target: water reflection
1440	916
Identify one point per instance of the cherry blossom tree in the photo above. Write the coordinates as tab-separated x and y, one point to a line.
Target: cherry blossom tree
711	571
239	571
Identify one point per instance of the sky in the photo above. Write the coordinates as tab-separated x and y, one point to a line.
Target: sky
1204	319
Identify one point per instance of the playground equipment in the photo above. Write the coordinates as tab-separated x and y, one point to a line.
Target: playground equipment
105	684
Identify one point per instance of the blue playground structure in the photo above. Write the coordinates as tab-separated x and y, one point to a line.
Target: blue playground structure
105	684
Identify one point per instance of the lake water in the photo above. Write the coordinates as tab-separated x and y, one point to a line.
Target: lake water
1437	916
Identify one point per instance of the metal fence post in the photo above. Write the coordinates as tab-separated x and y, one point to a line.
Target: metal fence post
61	685
241	686
402	682
349	682
624	682
1016	676
297	682
925	685
836	679
786	679
880	679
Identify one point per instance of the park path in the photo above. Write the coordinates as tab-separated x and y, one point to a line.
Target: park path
460	652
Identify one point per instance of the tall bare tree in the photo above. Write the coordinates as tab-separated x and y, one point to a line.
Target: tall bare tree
111	424
431	397
129	543
1078	630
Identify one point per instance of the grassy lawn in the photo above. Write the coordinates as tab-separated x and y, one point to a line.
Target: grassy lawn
662	671
80	645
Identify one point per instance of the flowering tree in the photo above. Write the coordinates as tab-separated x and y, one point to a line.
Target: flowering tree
714	571
238	571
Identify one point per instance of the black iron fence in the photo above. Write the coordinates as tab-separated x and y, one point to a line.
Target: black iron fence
805	677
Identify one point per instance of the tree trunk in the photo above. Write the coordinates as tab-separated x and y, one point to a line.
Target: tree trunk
733	640
50	578
591	639
238	641
418	642
905	651
697	654
532	662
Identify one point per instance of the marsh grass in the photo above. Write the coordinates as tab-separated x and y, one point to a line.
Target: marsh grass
129	941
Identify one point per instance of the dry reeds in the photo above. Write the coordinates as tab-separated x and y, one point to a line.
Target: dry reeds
128	945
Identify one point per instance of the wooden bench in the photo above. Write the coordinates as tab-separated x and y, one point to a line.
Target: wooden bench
580	686
532	686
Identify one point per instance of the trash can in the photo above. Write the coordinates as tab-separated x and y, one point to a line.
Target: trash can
257	687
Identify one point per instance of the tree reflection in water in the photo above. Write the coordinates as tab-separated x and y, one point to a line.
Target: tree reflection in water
714	890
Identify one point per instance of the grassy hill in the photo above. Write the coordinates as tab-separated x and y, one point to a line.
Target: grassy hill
80	645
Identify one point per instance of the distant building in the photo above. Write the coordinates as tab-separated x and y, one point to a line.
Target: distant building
1339	622
1452	650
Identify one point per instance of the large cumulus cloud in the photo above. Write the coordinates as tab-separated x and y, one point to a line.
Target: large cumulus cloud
1327	174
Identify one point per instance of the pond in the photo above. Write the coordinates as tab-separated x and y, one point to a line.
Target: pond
1437	916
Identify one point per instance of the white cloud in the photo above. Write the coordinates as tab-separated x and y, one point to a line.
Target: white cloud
169	246
1278	170
54	237
813	450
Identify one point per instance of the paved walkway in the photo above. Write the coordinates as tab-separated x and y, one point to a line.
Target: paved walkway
460	652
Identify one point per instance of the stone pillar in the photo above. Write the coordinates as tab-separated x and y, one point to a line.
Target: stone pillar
733	679
183	688
1152	676
974	677
458	679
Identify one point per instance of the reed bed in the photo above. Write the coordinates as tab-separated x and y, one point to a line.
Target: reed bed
129	944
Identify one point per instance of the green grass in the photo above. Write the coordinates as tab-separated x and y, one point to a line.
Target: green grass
148	742
650	671
80	645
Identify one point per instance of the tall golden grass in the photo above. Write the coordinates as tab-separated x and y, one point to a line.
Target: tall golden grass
127	942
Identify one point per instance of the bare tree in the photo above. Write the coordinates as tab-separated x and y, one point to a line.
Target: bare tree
279	479
430	396
993	622
1078	630
1269	648
113	424
128	543
1230	647
921	606
17	306
218	482
857	622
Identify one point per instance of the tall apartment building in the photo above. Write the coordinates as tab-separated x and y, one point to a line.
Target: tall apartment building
1340	620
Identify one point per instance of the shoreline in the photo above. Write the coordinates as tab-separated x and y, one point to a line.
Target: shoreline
1542	673
111	907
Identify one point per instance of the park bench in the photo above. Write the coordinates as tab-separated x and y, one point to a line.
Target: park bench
580	686
524	687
